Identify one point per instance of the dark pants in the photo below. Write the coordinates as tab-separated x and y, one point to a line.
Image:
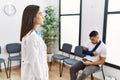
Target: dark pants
87	70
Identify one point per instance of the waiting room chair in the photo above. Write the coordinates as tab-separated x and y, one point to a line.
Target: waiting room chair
3	61
13	48
72	61
101	69
66	48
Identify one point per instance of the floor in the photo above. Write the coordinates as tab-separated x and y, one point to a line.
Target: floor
53	74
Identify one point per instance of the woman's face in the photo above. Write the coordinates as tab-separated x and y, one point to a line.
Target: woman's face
38	18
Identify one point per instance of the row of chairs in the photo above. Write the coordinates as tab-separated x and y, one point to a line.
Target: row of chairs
66	48
11	48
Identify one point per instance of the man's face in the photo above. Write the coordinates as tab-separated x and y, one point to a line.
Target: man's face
94	39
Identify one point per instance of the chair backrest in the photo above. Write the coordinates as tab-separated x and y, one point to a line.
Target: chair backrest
13	48
66	48
78	51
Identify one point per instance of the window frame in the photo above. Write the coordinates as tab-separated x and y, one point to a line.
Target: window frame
105	29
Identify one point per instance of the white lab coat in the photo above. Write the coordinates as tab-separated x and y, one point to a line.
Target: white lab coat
34	58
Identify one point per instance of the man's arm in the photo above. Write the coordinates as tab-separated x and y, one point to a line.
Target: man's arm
87	52
101	61
85	48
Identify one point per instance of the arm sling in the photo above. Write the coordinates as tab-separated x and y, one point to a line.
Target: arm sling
90	52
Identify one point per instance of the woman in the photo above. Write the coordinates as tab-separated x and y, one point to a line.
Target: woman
34	58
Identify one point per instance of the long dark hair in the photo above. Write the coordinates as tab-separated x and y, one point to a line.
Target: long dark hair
28	19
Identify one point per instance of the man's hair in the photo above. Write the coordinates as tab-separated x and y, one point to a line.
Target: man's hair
93	34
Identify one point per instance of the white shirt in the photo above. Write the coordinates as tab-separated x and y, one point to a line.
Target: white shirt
102	51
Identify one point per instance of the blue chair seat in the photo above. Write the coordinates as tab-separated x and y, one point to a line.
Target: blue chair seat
1	60
70	61
59	57
14	58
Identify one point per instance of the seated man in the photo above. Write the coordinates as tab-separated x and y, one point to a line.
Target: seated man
92	62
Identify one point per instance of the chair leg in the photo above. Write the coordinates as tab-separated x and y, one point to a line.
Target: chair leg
0	68
92	78
51	64
20	63
8	65
9	69
62	69
103	74
6	70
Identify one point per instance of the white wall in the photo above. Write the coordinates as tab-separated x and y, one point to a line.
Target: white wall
55	3
92	18
10	25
